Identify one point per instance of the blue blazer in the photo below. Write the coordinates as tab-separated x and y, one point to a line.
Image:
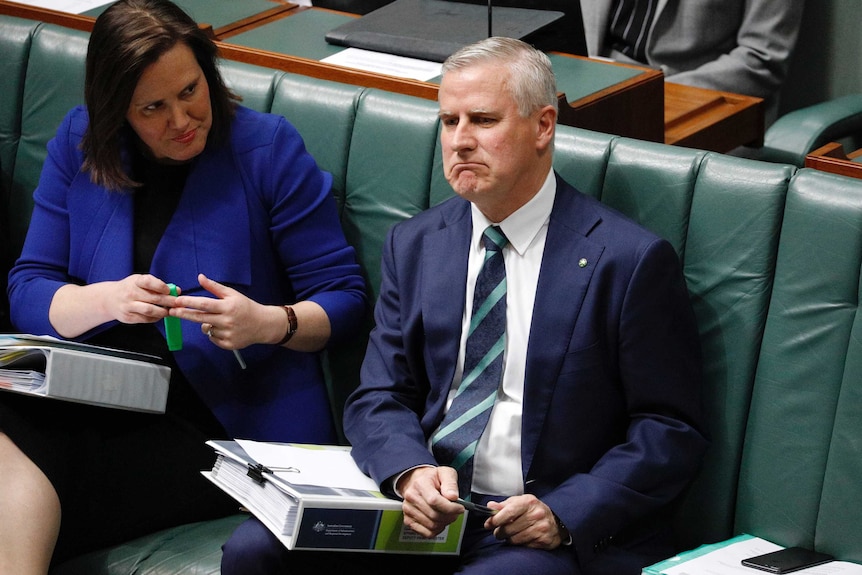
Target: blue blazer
612	401
256	214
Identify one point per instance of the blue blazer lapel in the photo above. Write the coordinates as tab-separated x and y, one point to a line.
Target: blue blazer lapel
213	206
567	268
102	242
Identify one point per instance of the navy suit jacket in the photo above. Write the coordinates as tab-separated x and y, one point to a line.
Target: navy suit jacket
612	404
256	214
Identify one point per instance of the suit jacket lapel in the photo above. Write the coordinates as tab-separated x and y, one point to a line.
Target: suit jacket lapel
444	267
567	268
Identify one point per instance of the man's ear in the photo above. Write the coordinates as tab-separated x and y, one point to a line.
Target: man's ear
546	127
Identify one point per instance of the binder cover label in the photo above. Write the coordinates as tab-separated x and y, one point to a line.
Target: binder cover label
372	530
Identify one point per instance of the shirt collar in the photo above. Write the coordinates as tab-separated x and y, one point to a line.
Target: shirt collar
521	226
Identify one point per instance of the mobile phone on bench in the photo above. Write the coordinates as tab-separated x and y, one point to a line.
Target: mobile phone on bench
787	560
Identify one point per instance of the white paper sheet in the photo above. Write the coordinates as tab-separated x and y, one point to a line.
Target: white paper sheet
309	466
385	64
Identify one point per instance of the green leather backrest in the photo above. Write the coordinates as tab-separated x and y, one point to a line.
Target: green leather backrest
53	85
653	184
323	112
581	158
799	481
15	34
254	84
391	156
730	250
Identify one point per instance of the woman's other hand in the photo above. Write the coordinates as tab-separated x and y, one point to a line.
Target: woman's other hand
138	298
234	321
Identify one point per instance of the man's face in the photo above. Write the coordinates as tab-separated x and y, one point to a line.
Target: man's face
490	152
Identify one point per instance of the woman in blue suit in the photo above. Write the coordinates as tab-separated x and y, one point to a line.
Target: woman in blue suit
163	178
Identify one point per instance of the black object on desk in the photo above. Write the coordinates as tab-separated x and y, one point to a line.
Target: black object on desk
434	29
564	35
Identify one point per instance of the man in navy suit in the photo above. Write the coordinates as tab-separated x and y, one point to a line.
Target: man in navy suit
596	423
596	426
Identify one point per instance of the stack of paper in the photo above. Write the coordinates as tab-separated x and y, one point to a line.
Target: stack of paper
27	377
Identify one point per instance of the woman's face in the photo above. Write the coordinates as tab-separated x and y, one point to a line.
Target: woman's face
170	110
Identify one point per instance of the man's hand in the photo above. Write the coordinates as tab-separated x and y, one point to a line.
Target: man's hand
429	494
525	520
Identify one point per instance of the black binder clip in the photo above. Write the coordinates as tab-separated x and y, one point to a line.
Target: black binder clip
256	471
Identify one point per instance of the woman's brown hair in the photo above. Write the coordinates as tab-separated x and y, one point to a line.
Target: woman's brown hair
129	36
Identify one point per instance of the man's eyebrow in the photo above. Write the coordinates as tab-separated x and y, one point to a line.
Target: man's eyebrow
473	112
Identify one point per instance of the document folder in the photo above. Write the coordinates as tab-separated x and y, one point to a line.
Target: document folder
434	29
314	497
49	367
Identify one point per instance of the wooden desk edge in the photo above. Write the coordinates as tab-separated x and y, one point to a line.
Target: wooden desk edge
317	69
832	158
645	76
726	122
254	20
48	15
85	23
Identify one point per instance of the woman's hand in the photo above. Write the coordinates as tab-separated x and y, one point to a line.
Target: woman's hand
234	321
230	319
138	298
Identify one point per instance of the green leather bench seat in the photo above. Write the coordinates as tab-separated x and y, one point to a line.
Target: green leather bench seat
193	549
772	255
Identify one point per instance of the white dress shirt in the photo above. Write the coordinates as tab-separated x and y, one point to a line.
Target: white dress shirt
497	462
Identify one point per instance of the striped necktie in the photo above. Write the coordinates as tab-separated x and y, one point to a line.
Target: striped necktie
630	23
454	442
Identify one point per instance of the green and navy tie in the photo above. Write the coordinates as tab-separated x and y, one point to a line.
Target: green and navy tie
454	442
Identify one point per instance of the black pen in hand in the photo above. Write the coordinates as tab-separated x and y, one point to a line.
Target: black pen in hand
475	507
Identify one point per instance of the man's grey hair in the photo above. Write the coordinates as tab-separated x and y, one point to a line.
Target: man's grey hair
531	80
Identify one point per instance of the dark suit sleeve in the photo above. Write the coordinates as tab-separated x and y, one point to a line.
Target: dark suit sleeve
383	417
654	347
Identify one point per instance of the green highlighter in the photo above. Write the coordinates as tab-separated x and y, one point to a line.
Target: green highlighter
173	330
